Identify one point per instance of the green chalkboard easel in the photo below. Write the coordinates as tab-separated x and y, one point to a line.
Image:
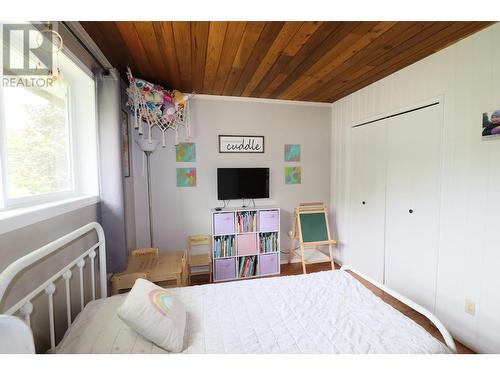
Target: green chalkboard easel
311	229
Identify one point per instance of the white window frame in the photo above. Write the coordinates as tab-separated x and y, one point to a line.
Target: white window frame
14	212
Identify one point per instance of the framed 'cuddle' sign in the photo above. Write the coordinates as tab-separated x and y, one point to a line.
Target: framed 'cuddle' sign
241	144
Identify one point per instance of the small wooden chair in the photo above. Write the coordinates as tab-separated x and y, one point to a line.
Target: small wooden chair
199	260
146	251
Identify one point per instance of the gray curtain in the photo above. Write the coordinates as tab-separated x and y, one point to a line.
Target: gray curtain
112	207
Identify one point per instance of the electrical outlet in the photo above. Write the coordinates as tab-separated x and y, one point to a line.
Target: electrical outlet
470	307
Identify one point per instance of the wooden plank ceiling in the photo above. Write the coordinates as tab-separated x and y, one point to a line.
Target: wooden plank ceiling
309	61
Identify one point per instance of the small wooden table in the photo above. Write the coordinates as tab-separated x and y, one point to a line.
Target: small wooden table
157	268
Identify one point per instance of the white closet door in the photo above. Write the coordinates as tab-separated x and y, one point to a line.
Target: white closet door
412	203
368	164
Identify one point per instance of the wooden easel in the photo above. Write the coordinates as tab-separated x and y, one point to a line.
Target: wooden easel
311	232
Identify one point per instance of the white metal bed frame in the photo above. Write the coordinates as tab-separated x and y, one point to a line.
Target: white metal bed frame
448	339
25	307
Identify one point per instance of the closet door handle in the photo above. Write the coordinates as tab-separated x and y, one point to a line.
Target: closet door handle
363	202
410	211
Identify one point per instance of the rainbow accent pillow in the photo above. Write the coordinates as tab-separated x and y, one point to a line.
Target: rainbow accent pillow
156	314
160	299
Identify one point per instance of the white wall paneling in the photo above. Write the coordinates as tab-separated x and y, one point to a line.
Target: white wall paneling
467	77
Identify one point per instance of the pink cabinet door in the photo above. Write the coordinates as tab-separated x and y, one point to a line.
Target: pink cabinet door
225	269
269	221
268	264
224	223
247	244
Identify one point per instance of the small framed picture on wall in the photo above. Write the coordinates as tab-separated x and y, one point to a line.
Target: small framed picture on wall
491	124
241	144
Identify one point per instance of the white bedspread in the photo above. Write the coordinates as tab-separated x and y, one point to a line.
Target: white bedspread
324	312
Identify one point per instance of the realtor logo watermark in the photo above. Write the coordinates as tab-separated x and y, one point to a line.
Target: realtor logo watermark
28	54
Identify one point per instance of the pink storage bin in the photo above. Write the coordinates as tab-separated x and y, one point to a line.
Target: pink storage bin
247	244
268	264
224	223
269	221
225	269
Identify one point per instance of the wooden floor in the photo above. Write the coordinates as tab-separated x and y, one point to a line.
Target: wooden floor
296	269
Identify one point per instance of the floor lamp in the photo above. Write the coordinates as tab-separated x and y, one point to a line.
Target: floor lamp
148	147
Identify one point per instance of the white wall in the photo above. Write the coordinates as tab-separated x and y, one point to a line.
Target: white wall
179	212
467	77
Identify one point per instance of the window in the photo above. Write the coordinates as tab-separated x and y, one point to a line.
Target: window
37	145
48	141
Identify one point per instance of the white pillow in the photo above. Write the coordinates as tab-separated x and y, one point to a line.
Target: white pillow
155	314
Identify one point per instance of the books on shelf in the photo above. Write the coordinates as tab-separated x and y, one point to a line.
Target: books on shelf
268	242
246	221
247	266
245	243
224	246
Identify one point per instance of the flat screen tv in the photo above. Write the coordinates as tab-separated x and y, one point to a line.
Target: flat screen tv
242	183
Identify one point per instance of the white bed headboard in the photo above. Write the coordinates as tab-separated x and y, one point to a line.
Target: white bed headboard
25	307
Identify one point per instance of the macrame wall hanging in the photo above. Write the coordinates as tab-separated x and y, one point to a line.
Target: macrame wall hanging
154	106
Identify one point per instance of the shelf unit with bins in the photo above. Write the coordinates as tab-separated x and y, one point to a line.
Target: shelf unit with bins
254	237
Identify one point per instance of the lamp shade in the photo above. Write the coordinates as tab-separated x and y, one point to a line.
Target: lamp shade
147	145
